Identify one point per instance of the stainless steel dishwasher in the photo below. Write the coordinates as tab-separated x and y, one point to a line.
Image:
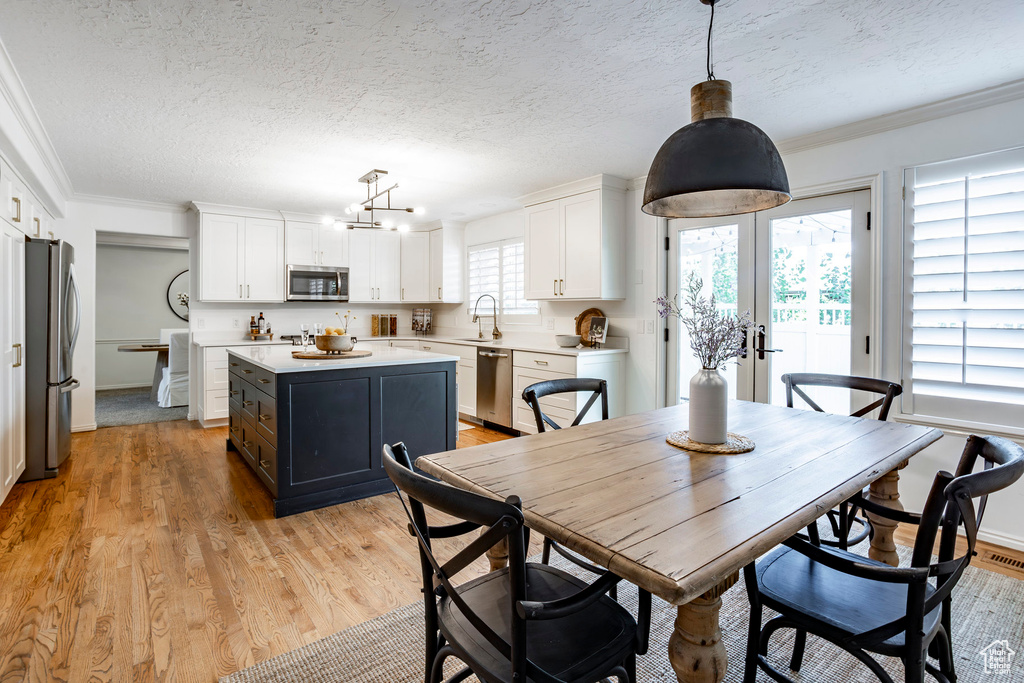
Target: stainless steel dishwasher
494	385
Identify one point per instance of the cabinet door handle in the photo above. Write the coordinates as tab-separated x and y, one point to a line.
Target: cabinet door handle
263	381
246	403
248	372
239	291
439	297
264	463
561	284
248	291
321	258
17	203
263	418
234	430
540	362
39	227
18	348
554	287
247	444
403	293
234	365
233	393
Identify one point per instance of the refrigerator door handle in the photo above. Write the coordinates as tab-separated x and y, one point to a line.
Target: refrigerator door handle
71	386
78	308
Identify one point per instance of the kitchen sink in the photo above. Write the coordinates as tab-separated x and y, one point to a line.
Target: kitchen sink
474	340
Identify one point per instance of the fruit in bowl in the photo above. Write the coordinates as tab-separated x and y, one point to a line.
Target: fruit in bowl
334	343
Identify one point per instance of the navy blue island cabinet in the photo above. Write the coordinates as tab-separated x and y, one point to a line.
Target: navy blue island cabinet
312	431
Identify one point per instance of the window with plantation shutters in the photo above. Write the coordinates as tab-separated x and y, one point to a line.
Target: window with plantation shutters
499	269
964	342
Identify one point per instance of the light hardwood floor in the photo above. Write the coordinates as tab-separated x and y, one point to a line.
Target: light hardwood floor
155	556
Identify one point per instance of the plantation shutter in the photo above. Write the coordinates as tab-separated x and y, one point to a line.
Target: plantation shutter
499	269
485	275
966	222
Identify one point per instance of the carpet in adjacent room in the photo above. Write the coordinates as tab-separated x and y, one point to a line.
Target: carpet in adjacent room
120	407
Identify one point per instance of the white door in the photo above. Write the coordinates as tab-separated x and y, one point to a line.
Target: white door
436	266
803	271
333	246
301	243
264	260
543	251
387	265
221	259
581	246
360	272
415	266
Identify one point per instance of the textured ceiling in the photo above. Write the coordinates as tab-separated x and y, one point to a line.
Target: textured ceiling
468	103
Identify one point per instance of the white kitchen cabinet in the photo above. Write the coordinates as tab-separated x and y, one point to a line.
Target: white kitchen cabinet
447	263
17	208
241	259
575	244
214	391
415	266
529	367
315	244
12	351
376	263
465	372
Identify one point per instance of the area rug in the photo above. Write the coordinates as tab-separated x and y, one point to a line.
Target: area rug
120	407
987	608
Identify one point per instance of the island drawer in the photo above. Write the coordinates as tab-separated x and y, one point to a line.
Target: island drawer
266	463
266	417
248	444
247	371
249	393
235	392
266	381
234	366
235	428
545	361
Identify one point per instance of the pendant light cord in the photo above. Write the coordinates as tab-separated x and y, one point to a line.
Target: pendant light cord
711	68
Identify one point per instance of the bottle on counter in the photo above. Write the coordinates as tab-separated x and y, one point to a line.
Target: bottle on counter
253	327
262	324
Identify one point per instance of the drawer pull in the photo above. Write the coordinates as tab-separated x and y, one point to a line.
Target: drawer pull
263	381
234	430
264	418
246	403
426	348
540	362
247	444
248	372
234	392
234	365
264	464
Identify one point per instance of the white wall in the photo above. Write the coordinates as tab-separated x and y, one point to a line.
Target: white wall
131	307
83	218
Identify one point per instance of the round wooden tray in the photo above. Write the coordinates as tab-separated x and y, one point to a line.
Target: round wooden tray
734	443
583	324
341	355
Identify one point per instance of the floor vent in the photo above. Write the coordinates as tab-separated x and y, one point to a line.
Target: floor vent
1006	561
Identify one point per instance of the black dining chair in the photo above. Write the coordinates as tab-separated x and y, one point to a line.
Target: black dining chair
843	518
863	606
526	622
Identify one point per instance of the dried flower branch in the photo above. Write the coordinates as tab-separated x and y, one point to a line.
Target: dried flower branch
716	338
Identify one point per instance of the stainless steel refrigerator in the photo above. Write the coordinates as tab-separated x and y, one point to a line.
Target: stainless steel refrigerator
53	312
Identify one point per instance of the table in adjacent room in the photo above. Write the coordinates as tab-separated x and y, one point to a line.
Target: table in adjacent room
681	524
162	351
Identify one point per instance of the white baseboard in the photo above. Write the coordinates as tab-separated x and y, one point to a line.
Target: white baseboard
1005	540
124	386
91	427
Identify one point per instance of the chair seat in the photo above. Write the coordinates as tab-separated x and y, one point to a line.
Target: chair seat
790	581
580	647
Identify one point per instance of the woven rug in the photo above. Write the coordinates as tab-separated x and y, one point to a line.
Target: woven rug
987	607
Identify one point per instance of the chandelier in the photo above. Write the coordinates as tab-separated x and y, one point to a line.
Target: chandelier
369	207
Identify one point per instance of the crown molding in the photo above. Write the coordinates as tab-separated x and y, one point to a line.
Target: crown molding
128	203
229	210
13	90
958	104
124	239
572	188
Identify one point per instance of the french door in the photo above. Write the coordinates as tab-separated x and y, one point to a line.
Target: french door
803	271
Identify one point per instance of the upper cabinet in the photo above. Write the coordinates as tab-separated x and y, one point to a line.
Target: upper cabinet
447	263
415	266
19	207
575	241
375	274
241	258
315	244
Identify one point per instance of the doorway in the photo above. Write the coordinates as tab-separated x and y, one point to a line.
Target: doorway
803	271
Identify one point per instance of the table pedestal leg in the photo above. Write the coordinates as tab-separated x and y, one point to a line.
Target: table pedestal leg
158	374
498	555
885	491
695	647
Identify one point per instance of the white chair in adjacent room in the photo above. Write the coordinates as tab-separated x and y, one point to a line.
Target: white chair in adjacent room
174	385
166	332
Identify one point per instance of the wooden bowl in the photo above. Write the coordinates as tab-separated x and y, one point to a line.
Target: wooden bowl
334	343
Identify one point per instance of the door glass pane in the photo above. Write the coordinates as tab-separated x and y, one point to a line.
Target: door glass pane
811	275
711	253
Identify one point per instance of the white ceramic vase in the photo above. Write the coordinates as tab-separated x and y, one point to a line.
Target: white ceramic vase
708	406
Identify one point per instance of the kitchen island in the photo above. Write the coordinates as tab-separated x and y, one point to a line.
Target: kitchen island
312	430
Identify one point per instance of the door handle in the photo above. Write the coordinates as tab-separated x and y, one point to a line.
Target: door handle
403	293
71	387
761	350
439	297
554	287
248	291
17	203
18	348
561	287
239	291
39	227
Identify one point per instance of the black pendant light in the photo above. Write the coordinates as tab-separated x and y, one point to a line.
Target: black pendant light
717	165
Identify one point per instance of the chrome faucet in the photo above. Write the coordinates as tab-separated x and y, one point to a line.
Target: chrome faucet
495	333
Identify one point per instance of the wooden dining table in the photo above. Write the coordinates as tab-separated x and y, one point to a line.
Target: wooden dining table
162	355
681	524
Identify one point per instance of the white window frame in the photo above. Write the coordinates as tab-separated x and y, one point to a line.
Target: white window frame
1007	419
513	318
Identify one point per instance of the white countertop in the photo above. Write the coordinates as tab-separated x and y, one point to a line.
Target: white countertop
278	359
202	343
536	347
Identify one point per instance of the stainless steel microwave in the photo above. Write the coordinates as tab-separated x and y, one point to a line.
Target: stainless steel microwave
317	283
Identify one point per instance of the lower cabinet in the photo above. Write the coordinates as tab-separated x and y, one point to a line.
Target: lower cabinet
314	438
466	371
530	367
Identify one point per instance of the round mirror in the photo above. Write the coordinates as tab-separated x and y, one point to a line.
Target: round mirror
178	294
